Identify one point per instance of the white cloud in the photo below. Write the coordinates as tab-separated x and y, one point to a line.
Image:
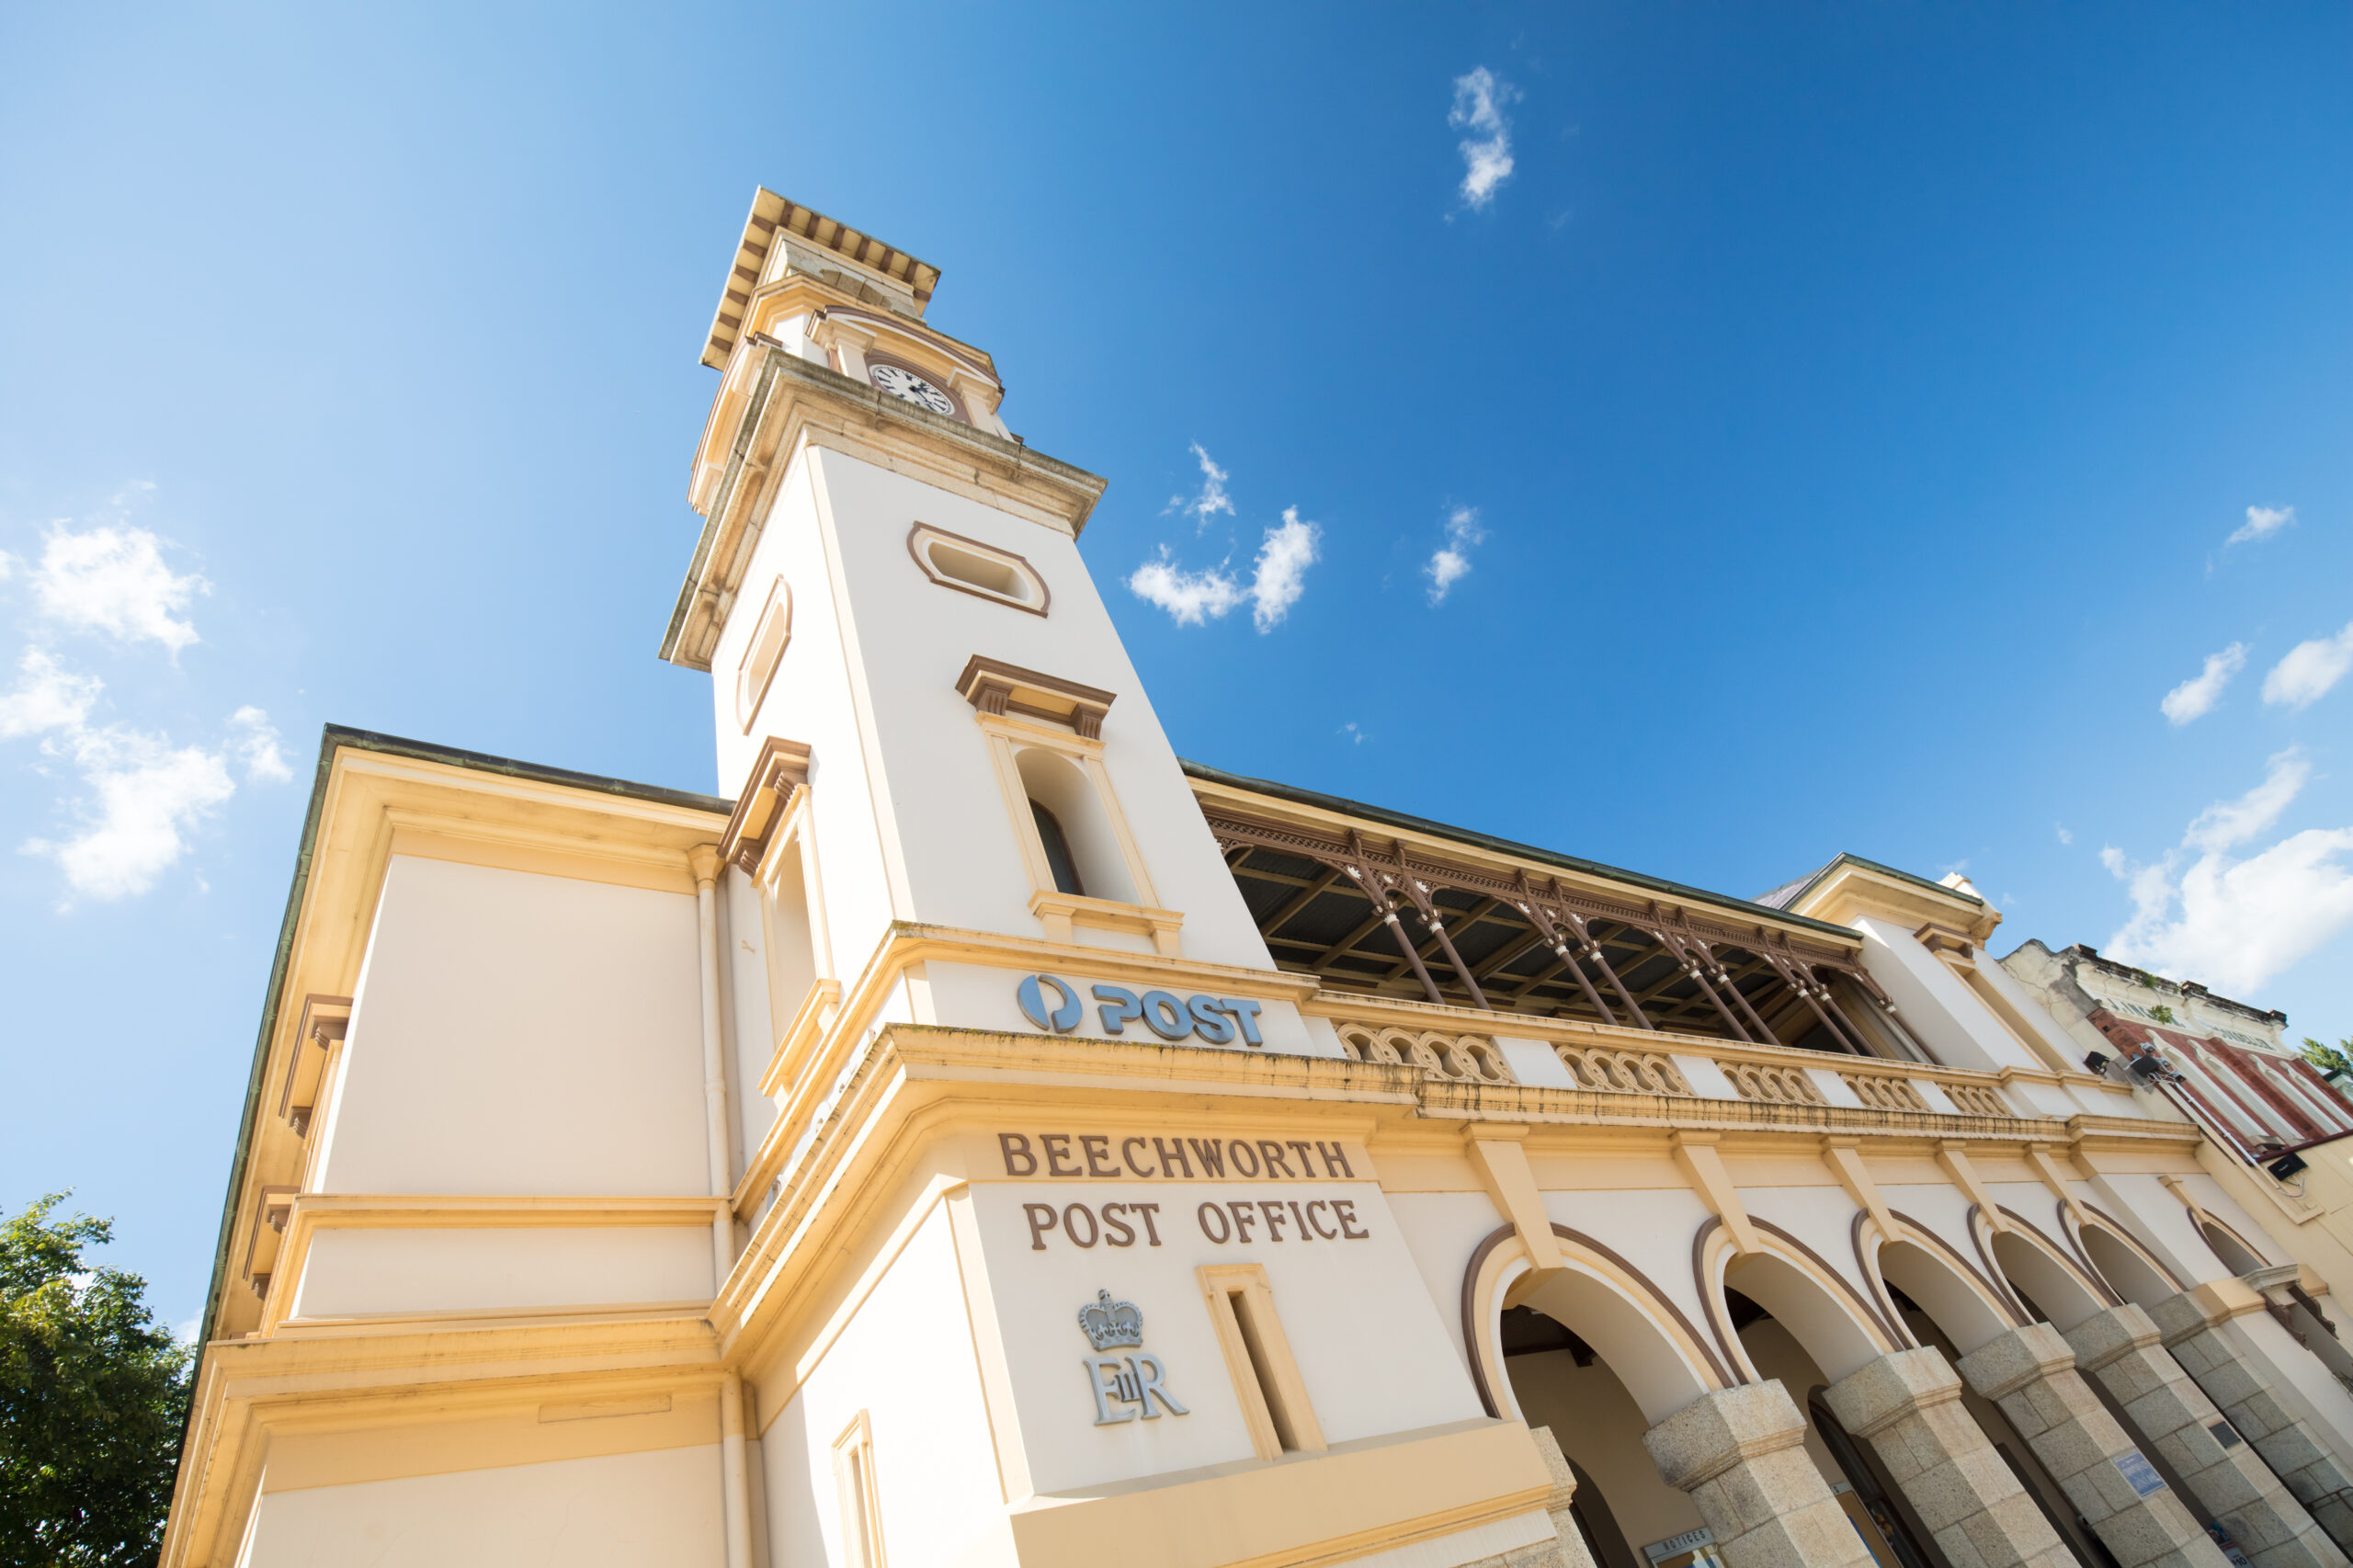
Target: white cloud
2199	914
1450	562
257	746
1212	498
47	697
2195	697
1355	735
1479	101
1281	574
147	796
2242	921
1277	579
2305	676
2262	522
2061	829
2227	823
1190	597
116	581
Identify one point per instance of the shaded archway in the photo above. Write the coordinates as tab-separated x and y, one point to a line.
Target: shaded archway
2127	1269
2050	1285
1598	1355
1794	1321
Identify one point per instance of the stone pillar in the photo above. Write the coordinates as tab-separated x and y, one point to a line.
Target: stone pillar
2121	1348
1908	1406
1740	1455
1572	1554
2191	1326
2031	1373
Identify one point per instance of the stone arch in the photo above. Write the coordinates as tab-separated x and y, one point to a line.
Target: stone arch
2125	1265
1837	1326
1651	1346
1968	1307
2034	1264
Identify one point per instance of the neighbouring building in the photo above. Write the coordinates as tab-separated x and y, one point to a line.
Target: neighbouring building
2280	1136
979	1137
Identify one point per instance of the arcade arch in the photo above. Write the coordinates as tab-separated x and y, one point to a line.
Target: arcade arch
1597	1354
2126	1268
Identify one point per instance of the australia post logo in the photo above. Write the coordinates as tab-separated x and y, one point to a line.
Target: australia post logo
1053	1003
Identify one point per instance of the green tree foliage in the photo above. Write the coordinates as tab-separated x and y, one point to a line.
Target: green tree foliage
2338	1058
93	1395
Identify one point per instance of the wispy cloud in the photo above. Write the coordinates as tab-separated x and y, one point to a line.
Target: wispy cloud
2061	829
115	580
2227	823
1355	735
1280	577
140	795
2199	913
47	697
1190	597
1277	579
1450	562
2195	697
146	795
1212	498
2262	522
2305	676
256	747
1480	100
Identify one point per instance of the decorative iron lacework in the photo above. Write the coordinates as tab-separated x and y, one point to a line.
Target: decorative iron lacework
1323	899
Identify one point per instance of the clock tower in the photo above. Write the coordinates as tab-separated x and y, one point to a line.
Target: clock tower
921	701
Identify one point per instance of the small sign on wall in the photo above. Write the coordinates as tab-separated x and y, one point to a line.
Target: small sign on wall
1053	1003
2136	1468
1692	1548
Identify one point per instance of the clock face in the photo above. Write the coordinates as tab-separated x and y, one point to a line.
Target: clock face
912	388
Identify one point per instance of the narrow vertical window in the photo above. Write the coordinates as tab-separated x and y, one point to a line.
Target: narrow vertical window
763	652
1257	1358
1057	847
861	1513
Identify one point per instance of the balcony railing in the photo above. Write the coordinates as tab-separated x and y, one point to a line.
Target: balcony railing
1674	1066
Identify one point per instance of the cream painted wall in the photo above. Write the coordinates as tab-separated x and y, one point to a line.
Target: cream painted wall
520	1033
1368	1370
867	681
618	1511
907	1359
1938	1008
353	1272
815	698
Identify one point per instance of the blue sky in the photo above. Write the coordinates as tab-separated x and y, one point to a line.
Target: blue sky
1833	423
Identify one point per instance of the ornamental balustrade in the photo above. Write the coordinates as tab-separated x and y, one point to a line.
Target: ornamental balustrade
1621	1072
1884	1094
1449	1057
1774	1086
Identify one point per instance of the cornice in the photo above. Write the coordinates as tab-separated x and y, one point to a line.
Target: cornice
795	405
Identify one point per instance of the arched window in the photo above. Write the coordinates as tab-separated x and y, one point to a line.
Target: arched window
763	652
1062	795
1057	847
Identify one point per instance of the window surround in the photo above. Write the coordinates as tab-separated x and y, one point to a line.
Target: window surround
777	608
1258	1360
923	536
861	1516
1018	709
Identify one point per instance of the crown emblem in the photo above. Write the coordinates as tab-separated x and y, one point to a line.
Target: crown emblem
1110	1323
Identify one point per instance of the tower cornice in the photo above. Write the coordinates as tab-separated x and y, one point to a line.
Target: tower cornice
795	405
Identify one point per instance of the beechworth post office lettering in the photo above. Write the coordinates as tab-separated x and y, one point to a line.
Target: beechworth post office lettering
1083	1155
